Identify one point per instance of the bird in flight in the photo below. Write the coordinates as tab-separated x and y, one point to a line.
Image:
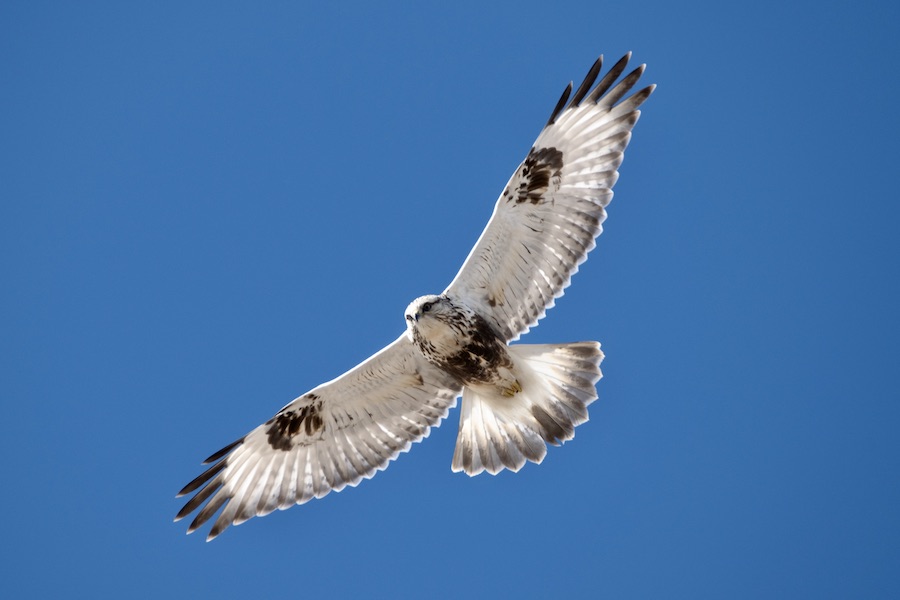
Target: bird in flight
515	398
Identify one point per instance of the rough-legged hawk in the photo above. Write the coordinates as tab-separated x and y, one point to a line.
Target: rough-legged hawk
515	399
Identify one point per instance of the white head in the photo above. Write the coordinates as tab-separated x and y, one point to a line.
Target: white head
424	308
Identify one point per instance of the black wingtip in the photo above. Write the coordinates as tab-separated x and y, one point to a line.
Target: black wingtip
609	78
201	479
585	86
216	529
560	105
607	91
200	498
640	96
207	511
222	452
623	87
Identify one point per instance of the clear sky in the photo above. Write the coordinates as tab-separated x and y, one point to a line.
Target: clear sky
207	209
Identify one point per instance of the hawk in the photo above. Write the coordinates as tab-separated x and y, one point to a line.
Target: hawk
516	399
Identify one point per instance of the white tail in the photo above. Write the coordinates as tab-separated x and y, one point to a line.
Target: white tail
497	432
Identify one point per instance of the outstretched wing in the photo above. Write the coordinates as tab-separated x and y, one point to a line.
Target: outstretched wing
547	217
335	435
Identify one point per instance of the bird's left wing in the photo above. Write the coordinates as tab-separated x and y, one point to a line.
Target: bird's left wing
547	217
335	435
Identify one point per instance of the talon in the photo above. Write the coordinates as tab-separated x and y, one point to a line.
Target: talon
512	390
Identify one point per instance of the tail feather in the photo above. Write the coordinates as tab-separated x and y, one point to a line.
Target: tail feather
498	432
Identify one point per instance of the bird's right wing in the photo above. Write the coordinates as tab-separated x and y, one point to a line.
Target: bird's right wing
335	435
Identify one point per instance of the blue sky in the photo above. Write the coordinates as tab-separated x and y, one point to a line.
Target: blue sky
209	208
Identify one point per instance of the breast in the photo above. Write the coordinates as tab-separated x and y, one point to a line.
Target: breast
465	346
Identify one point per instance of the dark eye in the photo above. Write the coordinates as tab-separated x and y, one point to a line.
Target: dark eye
427	306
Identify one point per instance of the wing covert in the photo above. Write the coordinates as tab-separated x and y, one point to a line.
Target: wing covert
333	436
551	210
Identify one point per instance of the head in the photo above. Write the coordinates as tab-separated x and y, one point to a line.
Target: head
425	307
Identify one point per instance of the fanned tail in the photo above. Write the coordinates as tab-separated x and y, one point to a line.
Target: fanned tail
498	432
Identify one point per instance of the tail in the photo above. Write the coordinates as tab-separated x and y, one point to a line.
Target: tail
497	432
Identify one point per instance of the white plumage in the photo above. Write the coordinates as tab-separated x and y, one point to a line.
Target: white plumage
516	399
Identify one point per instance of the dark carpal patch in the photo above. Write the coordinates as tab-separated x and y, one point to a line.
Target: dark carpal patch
288	424
541	167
